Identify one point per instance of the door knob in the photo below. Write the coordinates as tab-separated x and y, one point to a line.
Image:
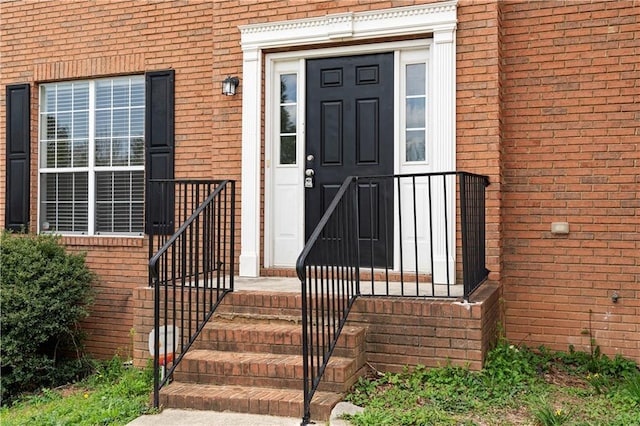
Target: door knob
309	172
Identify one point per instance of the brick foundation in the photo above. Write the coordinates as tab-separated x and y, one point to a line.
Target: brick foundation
400	331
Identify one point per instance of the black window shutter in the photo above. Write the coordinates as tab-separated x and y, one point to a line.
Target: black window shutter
18	157
159	151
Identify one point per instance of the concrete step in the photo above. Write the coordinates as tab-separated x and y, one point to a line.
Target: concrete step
263	370
268	337
247	399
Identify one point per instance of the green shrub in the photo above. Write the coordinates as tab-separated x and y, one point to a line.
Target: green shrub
44	293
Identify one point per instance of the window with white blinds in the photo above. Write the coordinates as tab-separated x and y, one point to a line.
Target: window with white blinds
92	157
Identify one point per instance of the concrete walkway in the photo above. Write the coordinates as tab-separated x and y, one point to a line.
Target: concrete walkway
171	417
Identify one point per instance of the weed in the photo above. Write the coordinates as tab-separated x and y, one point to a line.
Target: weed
401	417
601	383
516	383
631	386
509	369
547	415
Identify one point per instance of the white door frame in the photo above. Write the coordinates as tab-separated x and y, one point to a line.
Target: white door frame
438	19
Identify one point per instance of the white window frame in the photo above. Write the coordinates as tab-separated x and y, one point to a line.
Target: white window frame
278	154
413	57
414	51
91	169
276	173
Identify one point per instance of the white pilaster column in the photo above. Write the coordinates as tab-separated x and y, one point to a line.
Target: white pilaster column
444	99
250	199
444	150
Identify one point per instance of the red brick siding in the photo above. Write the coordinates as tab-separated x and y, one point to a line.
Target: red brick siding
572	154
432	333
49	41
478	110
547	106
121	266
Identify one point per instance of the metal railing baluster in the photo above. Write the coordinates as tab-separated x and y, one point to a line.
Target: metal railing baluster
181	270
329	265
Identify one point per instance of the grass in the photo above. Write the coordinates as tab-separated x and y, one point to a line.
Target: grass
518	386
114	395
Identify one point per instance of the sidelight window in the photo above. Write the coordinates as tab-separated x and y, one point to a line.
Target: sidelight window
288	118
415	112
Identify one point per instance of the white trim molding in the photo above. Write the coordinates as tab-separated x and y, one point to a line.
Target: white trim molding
437	19
351	26
250	195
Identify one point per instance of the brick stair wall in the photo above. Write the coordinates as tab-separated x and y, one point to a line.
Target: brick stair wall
399	332
248	359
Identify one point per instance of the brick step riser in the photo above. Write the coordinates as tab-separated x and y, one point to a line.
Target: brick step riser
277	349
268	300
335	379
271	408
263	382
350	344
266	303
279	408
254	401
291	315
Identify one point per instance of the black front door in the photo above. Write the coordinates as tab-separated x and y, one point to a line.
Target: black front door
349	132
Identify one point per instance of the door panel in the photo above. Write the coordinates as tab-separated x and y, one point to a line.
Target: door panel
366	134
350	133
368	198
331	143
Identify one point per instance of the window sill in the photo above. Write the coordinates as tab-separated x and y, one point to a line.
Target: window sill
103	241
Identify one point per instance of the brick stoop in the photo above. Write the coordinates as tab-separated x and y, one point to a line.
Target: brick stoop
248	358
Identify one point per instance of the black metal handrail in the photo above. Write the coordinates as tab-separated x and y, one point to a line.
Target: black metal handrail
472	224
352	252
192	271
320	295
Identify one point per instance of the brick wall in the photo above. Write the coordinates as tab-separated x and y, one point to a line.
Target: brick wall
432	333
571	145
121	266
478	111
51	41
547	102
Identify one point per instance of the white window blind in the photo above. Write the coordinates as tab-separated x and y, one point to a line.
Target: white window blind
92	157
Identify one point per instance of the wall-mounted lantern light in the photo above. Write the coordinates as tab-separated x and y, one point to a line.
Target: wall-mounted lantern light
229	86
